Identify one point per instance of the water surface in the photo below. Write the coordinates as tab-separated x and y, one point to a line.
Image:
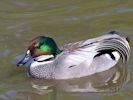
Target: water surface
65	21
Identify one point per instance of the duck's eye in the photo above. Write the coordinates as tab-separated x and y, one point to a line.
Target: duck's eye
37	45
40	43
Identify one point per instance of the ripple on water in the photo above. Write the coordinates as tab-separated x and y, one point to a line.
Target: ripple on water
21	3
123	10
5	52
3	97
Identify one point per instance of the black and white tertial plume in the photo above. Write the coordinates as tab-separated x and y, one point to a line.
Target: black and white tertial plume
114	44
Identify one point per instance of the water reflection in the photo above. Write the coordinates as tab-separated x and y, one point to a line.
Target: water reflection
110	81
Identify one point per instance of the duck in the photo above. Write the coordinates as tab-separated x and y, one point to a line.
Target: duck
75	60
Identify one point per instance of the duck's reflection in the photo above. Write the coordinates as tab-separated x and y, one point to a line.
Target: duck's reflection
108	81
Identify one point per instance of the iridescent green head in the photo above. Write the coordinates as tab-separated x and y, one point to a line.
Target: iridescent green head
43	45
41	48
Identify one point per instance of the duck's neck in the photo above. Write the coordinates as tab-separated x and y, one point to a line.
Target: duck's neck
58	51
42	67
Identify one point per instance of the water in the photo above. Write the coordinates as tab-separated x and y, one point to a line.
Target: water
65	21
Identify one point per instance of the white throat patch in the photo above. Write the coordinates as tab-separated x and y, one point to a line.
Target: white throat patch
43	57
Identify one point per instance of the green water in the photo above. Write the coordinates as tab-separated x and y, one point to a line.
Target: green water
65	21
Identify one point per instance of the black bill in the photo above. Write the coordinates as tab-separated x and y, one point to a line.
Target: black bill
26	58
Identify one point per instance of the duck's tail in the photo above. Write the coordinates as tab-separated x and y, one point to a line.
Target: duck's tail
115	43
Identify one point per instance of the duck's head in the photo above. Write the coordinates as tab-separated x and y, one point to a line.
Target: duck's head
41	48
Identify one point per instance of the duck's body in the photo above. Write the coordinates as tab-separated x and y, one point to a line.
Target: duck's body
81	58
